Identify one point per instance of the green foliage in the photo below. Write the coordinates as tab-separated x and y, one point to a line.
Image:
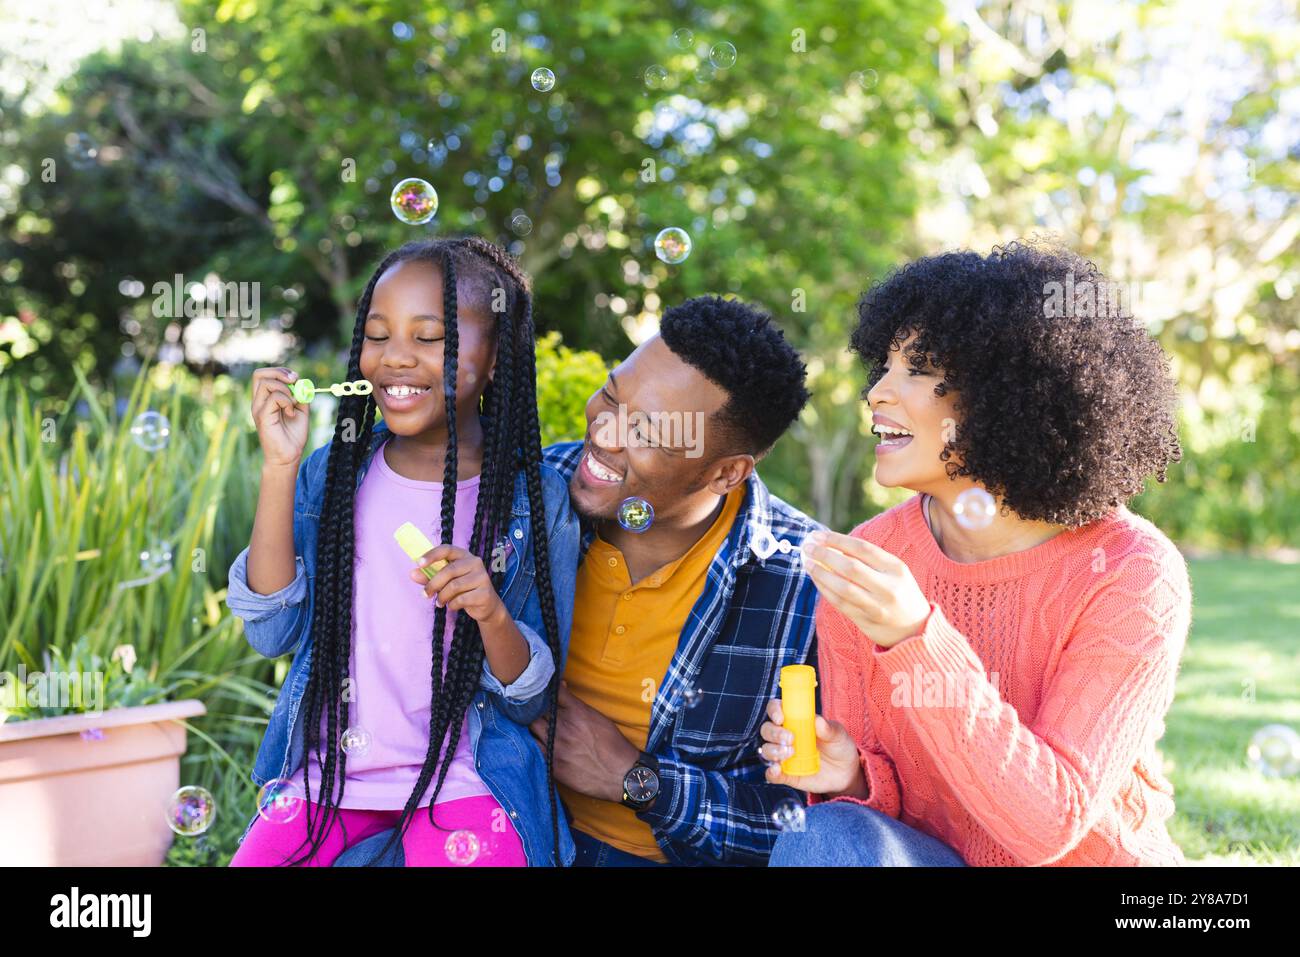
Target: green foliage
566	379
123	686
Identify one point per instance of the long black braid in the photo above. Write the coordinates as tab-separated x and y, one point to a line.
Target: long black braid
512	441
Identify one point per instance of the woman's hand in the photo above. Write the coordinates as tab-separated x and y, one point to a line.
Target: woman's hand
282	423
872	588
840	772
463	584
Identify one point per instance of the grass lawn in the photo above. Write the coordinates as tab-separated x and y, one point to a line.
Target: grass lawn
1245	637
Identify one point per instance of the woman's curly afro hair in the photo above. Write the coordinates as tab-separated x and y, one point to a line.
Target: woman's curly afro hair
1062	416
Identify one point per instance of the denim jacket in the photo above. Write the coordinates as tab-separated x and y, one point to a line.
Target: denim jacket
507	758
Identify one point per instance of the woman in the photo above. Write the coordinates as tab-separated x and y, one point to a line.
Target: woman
998	653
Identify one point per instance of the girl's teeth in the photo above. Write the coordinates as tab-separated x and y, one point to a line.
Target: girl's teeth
402	391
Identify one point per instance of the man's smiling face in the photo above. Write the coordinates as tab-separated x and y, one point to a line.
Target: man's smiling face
660	468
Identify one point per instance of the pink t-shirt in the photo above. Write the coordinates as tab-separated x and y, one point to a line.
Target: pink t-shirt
391	650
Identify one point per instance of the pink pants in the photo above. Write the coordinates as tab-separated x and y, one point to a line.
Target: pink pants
478	833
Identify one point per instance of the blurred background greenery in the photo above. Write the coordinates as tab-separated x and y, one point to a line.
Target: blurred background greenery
164	149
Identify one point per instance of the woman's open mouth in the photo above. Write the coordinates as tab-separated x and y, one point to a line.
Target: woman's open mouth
891	438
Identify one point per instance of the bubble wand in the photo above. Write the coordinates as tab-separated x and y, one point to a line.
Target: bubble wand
304	390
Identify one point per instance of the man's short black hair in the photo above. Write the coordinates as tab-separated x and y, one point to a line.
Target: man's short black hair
1064	415
741	349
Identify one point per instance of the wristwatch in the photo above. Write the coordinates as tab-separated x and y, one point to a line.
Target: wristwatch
641	783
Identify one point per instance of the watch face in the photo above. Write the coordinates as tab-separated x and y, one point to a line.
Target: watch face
641	783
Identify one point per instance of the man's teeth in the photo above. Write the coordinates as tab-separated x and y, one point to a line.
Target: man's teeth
400	391
600	471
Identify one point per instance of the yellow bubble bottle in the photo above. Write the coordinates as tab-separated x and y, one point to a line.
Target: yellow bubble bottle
799	708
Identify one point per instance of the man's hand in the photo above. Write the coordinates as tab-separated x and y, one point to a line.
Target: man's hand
591	754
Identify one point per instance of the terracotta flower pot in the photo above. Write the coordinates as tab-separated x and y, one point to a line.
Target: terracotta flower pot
98	799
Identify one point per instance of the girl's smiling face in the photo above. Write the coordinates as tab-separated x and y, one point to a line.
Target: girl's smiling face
405	336
903	401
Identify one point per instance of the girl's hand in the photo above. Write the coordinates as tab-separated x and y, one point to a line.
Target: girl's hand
840	771
281	422
872	588
463	584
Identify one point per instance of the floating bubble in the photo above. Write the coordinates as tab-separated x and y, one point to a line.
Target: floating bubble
432	145
279	801
975	509
683	39
691	697
1274	751
723	55
543	80
521	224
414	201
636	514
151	430
655	77
705	73
355	742
789	816
82	151
191	811
462	848
673	245
867	79
157	558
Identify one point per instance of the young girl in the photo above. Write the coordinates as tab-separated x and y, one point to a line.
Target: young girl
377	726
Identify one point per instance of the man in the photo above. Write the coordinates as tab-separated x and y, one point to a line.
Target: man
682	625
681	628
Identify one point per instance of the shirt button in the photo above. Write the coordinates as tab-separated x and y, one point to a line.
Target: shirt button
480	705
513	814
613	562
627	596
519	533
619	630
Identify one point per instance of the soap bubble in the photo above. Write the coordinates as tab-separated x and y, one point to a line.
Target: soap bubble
655	77
635	514
673	245
355	742
151	430
521	224
683	39
82	151
191	811
723	55
279	801
543	80
156	558
1275	751
462	848
866	79
705	73
414	201
975	509
691	697
790	816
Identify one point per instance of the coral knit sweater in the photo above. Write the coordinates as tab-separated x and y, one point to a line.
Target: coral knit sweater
1019	726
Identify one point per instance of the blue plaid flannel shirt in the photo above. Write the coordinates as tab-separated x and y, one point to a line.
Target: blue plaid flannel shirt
753	617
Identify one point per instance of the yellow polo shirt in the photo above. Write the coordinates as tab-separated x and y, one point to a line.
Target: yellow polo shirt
621	644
